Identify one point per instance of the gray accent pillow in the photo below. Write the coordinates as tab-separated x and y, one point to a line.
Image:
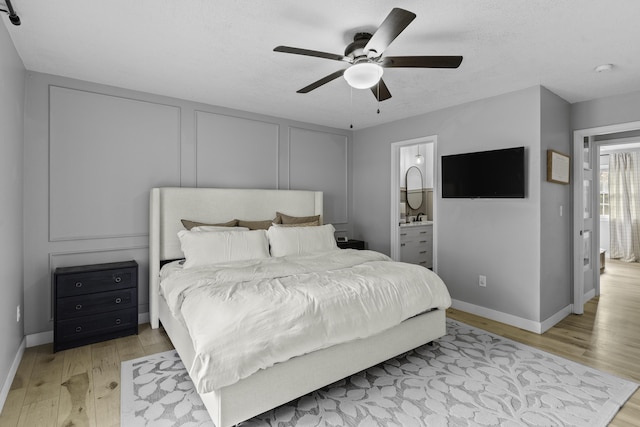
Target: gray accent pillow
188	224
288	219
256	225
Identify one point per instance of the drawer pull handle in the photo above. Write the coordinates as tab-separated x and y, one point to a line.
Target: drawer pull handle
402	244
78	306
117	279
78	328
423	241
423	252
118	300
423	232
78	284
403	234
118	321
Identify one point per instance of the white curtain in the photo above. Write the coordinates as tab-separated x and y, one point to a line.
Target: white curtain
624	201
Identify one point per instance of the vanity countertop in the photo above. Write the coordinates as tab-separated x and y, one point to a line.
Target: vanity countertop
416	223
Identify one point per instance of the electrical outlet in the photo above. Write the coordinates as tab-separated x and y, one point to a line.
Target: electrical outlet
482	281
18	314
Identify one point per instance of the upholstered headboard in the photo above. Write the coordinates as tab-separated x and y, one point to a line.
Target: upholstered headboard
169	205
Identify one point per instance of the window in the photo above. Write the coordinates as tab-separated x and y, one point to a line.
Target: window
604	191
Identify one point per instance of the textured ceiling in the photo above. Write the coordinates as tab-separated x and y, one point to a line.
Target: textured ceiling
221	52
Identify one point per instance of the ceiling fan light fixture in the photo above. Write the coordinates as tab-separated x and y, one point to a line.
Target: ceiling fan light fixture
363	75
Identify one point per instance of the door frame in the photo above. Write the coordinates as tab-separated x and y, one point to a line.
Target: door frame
395	194
578	208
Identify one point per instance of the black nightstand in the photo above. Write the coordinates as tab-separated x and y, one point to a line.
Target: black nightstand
94	303
352	244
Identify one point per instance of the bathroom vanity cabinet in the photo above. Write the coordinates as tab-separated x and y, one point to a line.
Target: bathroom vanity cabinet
416	243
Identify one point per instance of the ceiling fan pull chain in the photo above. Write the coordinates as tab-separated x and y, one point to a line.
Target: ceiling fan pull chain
351	96
378	97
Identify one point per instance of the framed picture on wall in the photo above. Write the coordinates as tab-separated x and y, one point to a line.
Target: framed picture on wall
558	167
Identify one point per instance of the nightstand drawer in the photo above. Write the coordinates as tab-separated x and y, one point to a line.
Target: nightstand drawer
88	283
101	302
97	325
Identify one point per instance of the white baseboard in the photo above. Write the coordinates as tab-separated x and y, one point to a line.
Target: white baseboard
143	318
509	319
12	373
39	338
551	321
589	295
47	337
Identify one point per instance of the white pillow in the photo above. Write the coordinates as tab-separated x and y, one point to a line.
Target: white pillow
301	240
218	228
202	248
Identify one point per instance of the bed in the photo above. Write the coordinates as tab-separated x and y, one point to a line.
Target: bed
284	381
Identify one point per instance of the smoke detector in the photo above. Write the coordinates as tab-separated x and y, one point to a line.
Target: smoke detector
604	68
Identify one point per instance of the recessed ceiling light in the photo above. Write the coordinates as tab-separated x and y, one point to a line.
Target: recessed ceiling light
603	68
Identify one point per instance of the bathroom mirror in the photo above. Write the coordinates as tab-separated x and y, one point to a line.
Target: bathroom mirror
414	187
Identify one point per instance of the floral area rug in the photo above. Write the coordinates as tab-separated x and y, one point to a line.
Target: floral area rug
469	377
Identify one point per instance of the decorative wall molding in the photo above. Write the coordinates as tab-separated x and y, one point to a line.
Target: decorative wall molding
320	168
60	234
249	146
111	140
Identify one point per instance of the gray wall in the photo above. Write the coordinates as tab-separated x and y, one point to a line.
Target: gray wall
11	135
496	238
556	231
611	110
92	153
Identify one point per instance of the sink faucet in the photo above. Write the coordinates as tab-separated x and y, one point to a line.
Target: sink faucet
418	216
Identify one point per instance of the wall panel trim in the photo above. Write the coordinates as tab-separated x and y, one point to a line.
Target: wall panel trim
92	92
346	164
277	141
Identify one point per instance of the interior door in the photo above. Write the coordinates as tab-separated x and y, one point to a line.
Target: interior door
585	241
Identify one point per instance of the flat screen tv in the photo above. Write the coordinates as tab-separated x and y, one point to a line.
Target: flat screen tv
495	174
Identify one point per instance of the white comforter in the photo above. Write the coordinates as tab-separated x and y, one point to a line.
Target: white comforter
249	315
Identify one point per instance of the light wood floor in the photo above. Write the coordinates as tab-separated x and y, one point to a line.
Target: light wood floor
81	387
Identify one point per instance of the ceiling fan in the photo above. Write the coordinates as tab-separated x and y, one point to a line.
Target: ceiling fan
365	56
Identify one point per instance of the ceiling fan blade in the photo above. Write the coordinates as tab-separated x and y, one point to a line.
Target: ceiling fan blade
321	82
421	61
298	51
381	91
397	20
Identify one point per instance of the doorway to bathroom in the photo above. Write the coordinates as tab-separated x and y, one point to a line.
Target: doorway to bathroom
413	189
